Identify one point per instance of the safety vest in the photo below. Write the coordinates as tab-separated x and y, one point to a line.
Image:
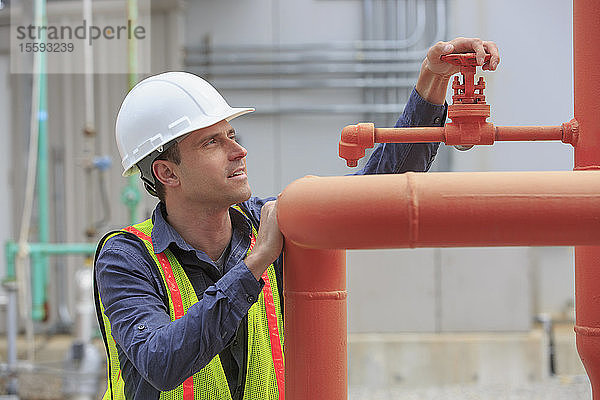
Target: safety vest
265	367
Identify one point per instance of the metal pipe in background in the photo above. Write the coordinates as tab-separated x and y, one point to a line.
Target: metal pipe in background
64	319
394	66
40	270
367	57
352	109
130	194
368	43
367	49
299	58
12	326
89	128
337	83
47	249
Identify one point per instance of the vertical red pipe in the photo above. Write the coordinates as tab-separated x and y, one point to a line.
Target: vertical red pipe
315	323
586	63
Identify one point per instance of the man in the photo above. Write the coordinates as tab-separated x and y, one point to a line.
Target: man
190	301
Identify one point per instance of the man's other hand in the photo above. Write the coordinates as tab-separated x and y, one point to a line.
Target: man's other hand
269	242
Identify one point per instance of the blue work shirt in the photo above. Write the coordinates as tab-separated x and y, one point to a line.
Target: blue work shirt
157	354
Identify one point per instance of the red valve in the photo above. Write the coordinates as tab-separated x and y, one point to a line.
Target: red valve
469	110
468	92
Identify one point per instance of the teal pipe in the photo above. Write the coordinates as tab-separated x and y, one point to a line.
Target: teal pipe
130	195
39	253
39	274
10	251
38	286
47	249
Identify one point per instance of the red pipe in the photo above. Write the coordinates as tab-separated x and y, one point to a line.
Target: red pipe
315	315
502	133
408	210
586	59
450	209
356	138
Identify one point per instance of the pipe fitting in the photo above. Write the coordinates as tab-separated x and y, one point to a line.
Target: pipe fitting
355	139
570	132
469	125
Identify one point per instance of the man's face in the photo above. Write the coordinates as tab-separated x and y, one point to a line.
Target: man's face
213	167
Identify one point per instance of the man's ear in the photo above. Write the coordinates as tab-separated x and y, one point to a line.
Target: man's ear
164	171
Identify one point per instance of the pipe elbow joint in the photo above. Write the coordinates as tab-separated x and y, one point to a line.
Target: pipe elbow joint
354	140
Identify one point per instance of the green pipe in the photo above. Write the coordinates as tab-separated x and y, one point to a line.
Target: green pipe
10	253
47	249
38	253
39	262
38	287
132	16
130	194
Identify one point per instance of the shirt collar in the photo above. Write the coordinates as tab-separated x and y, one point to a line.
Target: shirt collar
163	234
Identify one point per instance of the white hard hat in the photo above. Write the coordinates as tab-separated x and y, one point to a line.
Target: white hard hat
162	108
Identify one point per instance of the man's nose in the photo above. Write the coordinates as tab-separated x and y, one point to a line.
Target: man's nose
238	151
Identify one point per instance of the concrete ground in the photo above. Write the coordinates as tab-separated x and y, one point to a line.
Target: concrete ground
558	388
46	380
47	387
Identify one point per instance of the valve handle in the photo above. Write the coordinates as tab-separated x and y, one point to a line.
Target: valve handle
463	59
466	92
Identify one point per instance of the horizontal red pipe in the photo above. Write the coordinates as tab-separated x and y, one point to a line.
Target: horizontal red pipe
527	133
442	210
356	138
409	135
432	134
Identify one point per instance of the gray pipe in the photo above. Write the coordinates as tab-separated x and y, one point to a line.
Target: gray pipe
328	109
254	84
282	69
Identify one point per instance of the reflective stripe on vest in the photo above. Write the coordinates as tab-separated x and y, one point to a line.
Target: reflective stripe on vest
188	384
260	383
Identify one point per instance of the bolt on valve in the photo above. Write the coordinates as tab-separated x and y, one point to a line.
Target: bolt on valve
466	92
